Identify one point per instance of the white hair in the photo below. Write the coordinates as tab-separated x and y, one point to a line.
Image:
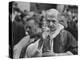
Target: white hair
52	12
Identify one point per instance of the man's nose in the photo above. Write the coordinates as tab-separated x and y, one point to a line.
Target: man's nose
51	23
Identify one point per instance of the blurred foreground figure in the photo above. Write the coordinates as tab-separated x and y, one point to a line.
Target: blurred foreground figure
35	32
31	41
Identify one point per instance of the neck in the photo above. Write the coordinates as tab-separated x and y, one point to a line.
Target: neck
57	31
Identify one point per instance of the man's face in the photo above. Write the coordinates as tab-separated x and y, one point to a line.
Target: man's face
51	21
32	27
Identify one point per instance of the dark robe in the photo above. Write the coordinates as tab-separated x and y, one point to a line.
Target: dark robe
62	43
65	42
18	32
73	29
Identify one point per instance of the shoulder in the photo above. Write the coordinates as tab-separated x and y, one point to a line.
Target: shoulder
65	33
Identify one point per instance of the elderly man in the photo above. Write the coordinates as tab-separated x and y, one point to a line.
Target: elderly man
60	41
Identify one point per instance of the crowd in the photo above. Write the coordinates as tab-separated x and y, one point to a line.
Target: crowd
47	33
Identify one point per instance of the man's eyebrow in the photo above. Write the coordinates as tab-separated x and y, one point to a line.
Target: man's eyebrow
54	20
61	21
29	19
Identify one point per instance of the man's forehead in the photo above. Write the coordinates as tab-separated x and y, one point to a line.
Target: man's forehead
52	19
31	21
51	16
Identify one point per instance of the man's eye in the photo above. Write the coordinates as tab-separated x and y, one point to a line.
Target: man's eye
53	21
61	21
28	28
48	20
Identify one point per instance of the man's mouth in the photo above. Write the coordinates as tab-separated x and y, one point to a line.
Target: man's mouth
52	29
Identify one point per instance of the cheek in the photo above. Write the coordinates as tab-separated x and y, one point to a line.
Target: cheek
34	29
54	25
27	29
48	23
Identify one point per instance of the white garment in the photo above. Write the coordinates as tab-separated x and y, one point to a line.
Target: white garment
32	49
18	47
59	27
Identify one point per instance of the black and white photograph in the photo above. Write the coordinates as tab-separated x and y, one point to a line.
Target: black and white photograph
42	29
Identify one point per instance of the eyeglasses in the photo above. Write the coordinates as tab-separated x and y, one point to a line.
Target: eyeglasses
51	21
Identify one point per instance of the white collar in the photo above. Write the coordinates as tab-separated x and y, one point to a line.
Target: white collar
59	28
